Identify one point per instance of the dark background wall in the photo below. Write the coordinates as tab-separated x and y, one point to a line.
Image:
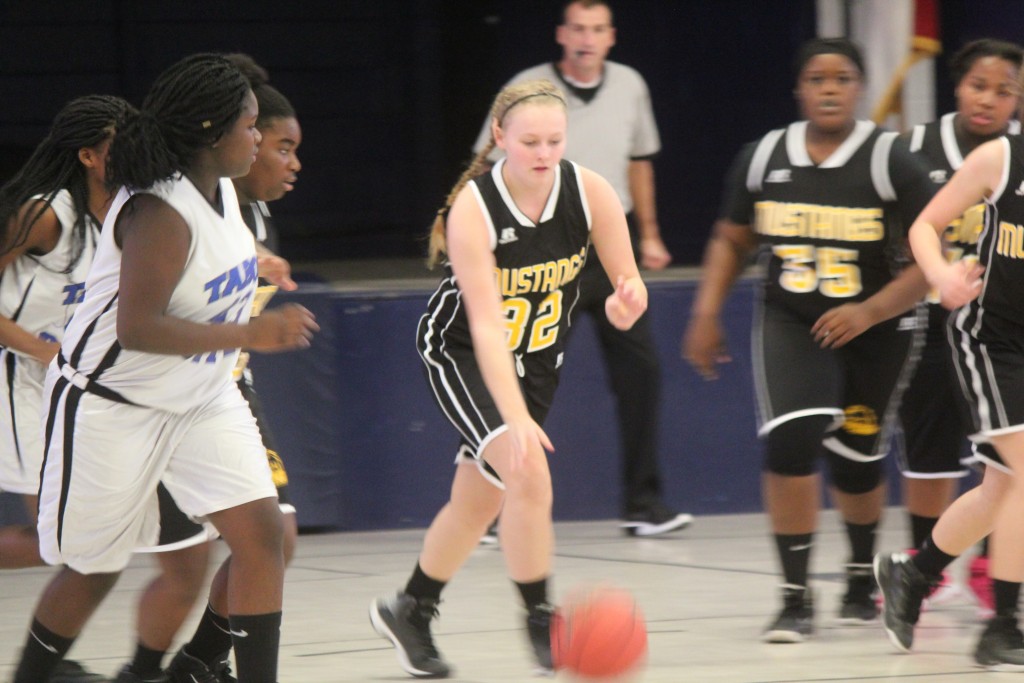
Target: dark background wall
391	93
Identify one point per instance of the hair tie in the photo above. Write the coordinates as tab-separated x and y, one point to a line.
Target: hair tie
207	124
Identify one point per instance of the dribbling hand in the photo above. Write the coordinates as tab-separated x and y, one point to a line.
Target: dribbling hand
284	328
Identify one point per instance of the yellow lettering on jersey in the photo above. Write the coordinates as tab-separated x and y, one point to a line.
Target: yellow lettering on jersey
548	276
1011	241
967	229
812	221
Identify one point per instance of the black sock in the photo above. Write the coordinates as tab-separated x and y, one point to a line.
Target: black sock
921	529
211	639
930	560
257	638
43	651
984	547
421	586
1007	596
146	661
862	542
795	555
534	593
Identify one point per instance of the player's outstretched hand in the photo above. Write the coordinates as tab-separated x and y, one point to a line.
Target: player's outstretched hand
704	345
627	303
286	327
277	270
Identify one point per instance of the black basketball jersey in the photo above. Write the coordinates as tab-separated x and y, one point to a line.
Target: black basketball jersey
1001	245
537	266
258	219
830	233
937	145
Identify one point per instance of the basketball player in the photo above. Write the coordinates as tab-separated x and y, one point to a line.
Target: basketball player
148	359
515	240
984	335
832	339
52	210
986	74
615	135
166	602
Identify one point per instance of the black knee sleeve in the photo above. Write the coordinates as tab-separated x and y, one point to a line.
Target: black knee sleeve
794	446
852	476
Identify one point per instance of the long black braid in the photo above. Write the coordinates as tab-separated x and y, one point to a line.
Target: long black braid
189	107
54	166
272	104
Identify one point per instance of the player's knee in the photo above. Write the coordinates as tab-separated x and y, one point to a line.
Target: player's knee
793	447
853	476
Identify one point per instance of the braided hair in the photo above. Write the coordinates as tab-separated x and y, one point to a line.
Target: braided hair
539	91
272	104
54	166
188	108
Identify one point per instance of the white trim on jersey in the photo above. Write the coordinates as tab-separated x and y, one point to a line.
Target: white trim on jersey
759	162
947	133
917	138
997	191
880	177
583	194
487	215
506	196
796	144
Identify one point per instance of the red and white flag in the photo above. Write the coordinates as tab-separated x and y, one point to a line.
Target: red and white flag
899	39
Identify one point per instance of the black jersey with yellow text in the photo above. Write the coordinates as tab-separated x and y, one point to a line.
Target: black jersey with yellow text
937	145
833	232
1001	245
537	267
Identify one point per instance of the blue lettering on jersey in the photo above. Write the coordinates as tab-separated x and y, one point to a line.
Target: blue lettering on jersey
237	278
47	337
75	293
231	314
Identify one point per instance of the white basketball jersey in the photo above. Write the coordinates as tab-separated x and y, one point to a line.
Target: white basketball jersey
216	286
35	291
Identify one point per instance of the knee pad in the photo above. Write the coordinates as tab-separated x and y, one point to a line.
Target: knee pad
852	476
793	447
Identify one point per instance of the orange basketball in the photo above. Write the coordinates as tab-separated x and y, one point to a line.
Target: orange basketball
599	634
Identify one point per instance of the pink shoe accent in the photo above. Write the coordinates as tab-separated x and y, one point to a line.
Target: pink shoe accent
981	585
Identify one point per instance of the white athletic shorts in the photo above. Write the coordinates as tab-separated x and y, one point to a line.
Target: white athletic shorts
21	427
104	459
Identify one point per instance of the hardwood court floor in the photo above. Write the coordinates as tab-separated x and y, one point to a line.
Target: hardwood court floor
707	592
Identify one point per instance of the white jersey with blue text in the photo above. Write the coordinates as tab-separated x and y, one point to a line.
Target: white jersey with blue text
216	286
40	292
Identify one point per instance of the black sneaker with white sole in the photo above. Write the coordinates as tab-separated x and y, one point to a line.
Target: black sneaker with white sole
655	521
538	627
70	671
1001	646
858	606
795	623
406	623
903	588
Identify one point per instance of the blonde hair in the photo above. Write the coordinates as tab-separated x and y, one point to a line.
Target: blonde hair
540	91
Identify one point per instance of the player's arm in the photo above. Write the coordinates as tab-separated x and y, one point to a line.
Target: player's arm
653	253
725	257
726	254
957	282
155	243
41	238
472	262
610	236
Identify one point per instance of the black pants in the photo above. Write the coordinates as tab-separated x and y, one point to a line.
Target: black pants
635	377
